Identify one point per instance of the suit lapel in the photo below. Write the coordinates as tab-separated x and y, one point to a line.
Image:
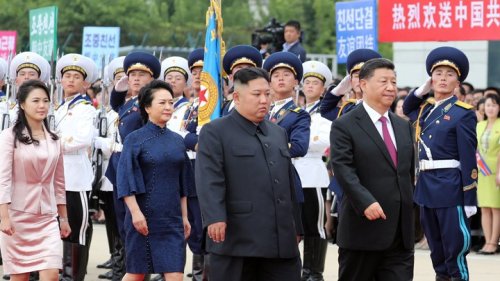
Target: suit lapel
50	151
367	125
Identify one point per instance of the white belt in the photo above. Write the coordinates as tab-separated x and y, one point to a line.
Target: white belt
438	164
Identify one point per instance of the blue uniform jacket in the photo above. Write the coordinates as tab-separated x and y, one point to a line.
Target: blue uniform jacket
329	108
297	123
449	132
129	118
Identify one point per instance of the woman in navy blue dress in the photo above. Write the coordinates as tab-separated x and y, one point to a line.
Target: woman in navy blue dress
153	177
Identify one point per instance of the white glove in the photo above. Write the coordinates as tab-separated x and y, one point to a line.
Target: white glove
99	142
470	211
198	129
122	84
343	87
424	89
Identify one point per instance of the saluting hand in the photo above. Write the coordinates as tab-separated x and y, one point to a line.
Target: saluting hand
140	223
374	211
6	226
217	232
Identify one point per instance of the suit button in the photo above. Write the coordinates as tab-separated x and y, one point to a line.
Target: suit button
276	181
271	163
266	145
278	201
430	136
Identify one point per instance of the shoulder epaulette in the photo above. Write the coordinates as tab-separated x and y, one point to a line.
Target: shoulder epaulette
295	109
464	105
430	101
80	102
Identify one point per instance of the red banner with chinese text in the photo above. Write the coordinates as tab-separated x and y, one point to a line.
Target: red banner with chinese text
438	20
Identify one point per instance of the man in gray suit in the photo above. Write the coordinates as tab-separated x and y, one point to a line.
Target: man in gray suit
245	185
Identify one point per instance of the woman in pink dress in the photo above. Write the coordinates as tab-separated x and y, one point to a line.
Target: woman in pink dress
32	196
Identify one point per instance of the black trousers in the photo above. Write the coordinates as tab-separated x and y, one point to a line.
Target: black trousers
253	269
393	264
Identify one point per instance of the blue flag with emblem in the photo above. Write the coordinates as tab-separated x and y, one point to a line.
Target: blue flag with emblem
210	96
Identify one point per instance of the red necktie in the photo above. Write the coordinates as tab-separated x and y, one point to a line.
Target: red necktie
388	141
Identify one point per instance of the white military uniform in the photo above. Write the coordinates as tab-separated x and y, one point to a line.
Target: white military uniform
75	125
176	121
107	145
311	168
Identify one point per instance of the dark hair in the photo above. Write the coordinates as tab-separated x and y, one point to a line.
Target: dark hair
245	75
370	66
146	96
461	89
293	23
468	84
494	89
22	122
495	98
395	103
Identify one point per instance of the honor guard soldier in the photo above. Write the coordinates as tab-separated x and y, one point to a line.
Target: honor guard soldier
75	125
286	72
350	84
26	66
190	134
175	71
113	73
236	58
446	185
140	68
313	173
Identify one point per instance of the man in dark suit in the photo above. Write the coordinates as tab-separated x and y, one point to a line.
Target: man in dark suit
292	40
245	186
372	154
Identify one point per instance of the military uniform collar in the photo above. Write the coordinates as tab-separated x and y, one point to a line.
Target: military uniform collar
250	127
277	105
311	107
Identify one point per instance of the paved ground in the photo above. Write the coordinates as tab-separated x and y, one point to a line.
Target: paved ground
482	268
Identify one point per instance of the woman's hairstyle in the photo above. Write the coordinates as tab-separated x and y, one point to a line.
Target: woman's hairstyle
146	96
22	122
494	98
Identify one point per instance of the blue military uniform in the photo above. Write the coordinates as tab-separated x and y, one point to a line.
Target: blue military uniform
129	120
355	61
447	142
288	115
238	55
190	125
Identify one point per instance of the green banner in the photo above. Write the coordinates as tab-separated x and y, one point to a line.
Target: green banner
43	31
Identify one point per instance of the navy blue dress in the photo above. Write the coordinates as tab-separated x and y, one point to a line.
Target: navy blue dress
155	168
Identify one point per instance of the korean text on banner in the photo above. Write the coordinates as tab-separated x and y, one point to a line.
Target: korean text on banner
100	41
43	31
356	27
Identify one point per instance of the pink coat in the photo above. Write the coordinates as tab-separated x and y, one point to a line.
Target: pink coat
28	184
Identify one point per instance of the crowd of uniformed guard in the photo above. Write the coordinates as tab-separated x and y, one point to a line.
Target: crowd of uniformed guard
445	137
